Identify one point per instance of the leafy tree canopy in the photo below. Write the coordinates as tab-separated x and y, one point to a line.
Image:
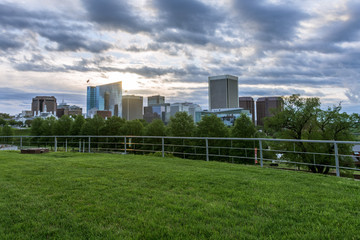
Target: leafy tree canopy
243	127
47	126
36	127
113	126
2	121
211	126
181	125
7	131
155	128
302	118
133	127
62	126
93	126
76	126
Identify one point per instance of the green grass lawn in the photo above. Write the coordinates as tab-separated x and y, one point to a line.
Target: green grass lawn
113	196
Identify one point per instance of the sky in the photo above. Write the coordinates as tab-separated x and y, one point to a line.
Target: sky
171	47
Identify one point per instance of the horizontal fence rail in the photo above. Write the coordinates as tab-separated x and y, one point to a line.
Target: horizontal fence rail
332	155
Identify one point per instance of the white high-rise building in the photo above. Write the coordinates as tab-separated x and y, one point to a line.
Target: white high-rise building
223	92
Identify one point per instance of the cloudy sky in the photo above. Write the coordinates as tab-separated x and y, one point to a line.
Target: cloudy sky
170	47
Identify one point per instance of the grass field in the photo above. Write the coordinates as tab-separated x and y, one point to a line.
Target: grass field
112	196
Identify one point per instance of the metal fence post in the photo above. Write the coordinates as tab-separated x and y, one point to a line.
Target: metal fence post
125	144
84	146
55	148
162	147
89	144
207	149
20	142
337	160
80	145
65	144
261	153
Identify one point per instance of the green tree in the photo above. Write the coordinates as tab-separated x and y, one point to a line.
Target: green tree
28	122
295	119
13	122
155	128
211	126
76	126
113	126
302	118
7	131
4	115
36	127
243	128
133	128
2	121
181	125
62	126
143	122
47	126
244	149
93	126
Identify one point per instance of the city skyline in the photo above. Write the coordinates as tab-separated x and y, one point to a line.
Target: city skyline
274	47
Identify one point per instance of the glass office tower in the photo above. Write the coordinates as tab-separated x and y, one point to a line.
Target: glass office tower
106	97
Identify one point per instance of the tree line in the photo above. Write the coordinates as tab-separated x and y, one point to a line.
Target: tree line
180	125
299	118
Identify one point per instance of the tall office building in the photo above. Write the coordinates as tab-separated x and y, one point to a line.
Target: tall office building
132	107
156	100
265	107
43	104
65	109
90	98
106	97
157	109
223	92
247	103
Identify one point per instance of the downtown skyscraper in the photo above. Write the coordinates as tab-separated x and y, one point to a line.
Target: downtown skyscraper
106	97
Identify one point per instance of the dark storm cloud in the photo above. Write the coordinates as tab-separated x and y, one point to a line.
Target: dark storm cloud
345	30
67	33
188	15
183	37
167	48
115	14
184	22
246	91
269	21
98	65
68	41
187	22
151	72
13	94
9	41
292	81
16	17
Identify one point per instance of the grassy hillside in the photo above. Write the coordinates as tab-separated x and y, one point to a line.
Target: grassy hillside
110	196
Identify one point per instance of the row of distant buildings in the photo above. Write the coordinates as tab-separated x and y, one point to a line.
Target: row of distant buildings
224	101
107	100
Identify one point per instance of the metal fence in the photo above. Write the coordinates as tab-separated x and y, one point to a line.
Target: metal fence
335	156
